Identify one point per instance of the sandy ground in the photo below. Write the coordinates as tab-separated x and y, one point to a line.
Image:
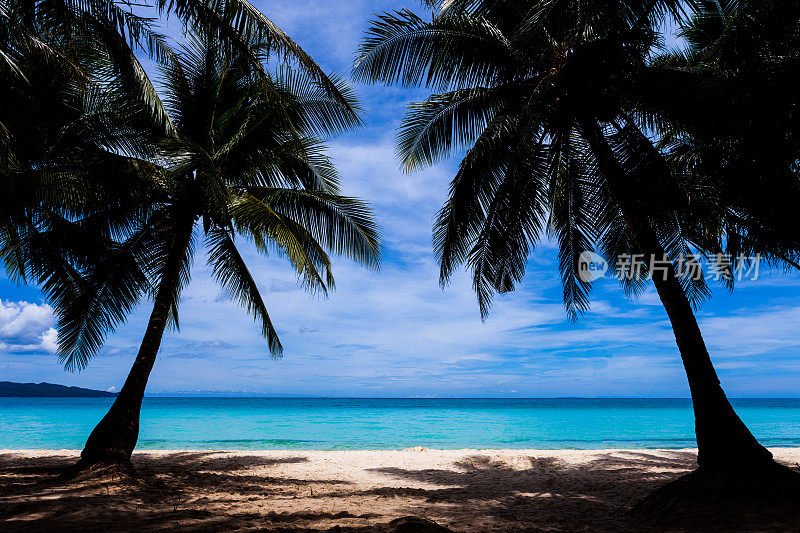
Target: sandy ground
465	490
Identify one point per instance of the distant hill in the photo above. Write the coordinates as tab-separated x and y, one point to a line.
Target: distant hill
43	390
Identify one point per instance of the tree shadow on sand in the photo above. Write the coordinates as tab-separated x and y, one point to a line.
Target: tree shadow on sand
544	494
167	493
549	494
189	491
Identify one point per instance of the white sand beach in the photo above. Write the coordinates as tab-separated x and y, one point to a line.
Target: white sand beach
465	490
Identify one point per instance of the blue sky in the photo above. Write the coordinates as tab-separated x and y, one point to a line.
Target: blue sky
397	333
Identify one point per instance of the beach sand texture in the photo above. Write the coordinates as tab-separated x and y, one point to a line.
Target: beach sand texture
465	490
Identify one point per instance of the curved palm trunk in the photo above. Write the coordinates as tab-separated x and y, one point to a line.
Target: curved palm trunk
723	441
115	436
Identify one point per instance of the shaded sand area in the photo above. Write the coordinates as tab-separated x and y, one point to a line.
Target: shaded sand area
465	490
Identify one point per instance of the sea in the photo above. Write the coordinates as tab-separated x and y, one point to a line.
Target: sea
387	423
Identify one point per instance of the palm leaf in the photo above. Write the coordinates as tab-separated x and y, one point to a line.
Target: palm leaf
230	271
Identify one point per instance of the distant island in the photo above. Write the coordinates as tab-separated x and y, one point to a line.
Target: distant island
43	390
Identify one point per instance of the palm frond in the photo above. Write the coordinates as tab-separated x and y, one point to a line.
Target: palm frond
342	225
572	219
241	24
317	112
449	52
255	218
231	272
433	129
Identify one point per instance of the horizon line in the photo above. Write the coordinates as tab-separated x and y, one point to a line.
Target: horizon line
307	397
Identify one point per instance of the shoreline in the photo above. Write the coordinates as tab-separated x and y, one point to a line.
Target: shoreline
33	452
466	490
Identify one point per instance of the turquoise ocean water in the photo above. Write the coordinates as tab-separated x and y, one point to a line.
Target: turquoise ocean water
334	424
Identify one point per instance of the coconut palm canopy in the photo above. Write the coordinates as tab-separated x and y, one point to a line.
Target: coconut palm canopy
518	80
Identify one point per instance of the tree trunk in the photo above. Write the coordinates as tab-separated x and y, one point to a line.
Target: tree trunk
724	443
113	439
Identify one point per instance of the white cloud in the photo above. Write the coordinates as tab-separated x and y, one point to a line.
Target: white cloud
749	332
49	340
27	327
23	319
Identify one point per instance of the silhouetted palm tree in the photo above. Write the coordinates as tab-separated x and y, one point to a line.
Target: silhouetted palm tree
245	159
92	194
542	95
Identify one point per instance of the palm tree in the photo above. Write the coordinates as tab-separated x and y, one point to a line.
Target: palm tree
541	95
245	159
85	177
